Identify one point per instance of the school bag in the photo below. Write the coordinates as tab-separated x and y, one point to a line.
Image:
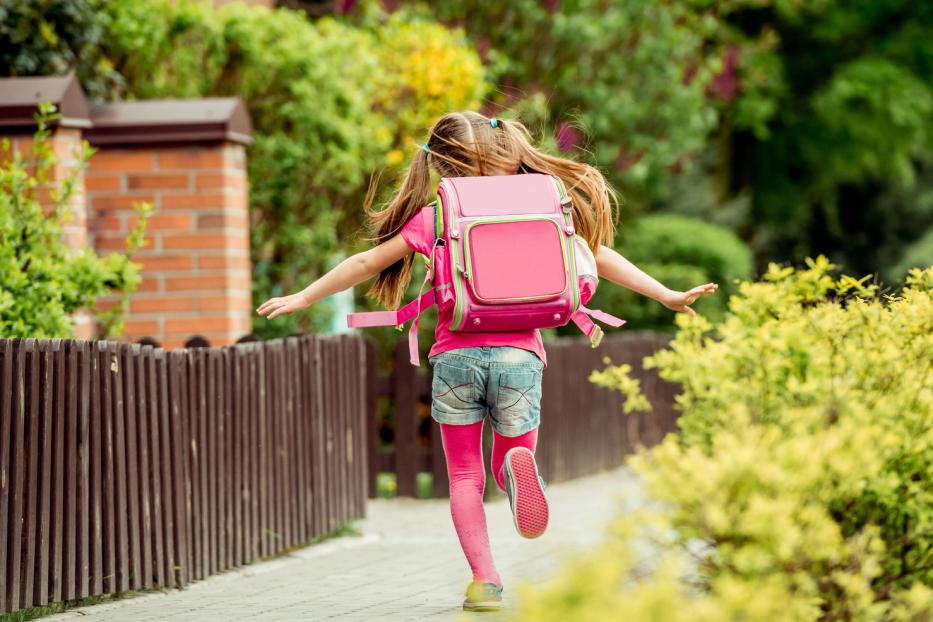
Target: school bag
506	257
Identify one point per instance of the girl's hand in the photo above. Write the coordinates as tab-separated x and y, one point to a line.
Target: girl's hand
283	304
679	301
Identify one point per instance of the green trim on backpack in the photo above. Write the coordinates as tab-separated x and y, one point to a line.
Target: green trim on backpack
438	218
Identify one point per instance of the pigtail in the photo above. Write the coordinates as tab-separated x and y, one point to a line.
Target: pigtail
386	223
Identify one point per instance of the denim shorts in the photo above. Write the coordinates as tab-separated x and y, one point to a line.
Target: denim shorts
502	380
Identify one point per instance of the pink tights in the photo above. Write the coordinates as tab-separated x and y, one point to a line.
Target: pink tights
463	448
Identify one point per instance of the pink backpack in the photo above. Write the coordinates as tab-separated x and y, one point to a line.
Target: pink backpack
506	256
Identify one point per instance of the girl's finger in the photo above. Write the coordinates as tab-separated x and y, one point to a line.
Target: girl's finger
275	309
265	305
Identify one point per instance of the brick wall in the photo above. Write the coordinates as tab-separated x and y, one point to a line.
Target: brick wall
196	269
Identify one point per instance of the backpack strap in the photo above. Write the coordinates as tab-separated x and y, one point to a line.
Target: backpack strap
392	318
581	317
413	309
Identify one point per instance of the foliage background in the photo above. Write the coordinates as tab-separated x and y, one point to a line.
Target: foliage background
803	126
800	127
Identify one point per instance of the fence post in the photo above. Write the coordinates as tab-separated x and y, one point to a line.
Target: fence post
406	433
372	418
6	442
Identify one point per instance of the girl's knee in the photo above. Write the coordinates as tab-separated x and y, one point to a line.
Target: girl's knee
473	479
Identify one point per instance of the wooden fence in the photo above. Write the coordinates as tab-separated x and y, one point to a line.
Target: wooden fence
124	466
583	429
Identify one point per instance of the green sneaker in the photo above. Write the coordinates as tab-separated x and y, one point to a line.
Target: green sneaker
483	596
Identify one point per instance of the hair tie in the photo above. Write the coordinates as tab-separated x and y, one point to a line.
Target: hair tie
426	147
494	122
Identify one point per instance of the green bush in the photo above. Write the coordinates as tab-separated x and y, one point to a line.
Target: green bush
681	253
42	281
801	484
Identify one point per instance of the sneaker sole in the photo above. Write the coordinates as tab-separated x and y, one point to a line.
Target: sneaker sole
486	606
530	513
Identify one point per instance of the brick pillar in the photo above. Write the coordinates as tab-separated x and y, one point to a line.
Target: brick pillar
196	267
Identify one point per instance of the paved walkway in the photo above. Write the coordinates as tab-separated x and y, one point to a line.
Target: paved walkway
407	565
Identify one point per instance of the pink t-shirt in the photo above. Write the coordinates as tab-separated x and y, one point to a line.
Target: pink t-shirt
419	233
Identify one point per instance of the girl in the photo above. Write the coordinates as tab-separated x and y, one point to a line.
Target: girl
479	372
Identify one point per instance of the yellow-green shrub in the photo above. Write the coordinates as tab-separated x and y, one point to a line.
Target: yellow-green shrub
801	484
425	71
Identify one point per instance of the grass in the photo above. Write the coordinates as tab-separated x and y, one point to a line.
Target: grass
386	485
46	610
347	529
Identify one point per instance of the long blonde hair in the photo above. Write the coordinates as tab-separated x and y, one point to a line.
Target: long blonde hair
464	144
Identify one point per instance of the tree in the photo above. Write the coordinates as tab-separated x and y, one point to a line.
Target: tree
52	38
830	132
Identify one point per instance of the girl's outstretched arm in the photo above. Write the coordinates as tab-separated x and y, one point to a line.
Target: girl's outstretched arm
349	272
614	267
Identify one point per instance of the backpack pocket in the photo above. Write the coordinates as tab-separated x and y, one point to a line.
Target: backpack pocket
515	259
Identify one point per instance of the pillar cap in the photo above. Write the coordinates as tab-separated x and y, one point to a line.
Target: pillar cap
20	96
151	121
170	121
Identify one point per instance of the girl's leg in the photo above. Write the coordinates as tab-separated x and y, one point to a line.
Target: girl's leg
463	449
502	444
